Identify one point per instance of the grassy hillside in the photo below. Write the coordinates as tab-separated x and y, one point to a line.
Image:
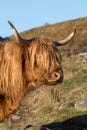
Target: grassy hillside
57	103
59	31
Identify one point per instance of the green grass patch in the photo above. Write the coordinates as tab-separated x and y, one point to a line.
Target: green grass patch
64	114
77	80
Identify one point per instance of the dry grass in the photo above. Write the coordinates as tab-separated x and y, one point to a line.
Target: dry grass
56	103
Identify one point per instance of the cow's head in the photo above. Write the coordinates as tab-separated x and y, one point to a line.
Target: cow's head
42	60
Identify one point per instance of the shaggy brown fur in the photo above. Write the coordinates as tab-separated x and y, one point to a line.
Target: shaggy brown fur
24	66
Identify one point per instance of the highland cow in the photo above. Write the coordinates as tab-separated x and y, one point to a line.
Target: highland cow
26	64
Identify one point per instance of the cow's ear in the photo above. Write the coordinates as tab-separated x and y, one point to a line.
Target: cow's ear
54	76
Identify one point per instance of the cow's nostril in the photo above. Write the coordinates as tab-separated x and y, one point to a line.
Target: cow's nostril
57	75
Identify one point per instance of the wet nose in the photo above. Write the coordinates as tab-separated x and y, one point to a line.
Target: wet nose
61	76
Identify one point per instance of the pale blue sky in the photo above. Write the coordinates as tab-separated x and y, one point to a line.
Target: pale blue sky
28	14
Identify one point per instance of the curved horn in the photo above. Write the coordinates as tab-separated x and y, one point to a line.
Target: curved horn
16	34
66	40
